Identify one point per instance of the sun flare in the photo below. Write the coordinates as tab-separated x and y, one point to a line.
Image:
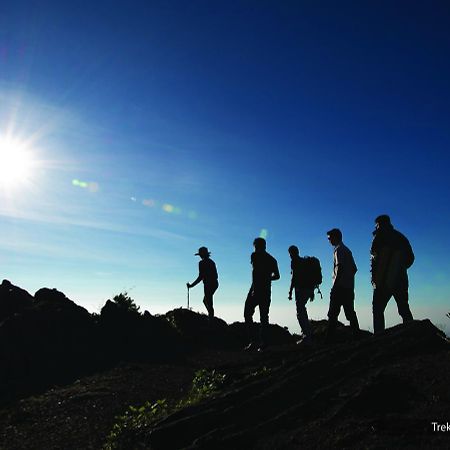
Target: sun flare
16	162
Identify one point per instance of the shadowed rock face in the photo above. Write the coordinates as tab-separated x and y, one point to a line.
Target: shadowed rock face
276	335
197	330
48	338
13	300
128	335
308	400
48	341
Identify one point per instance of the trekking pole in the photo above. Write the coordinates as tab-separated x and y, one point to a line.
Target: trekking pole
187	296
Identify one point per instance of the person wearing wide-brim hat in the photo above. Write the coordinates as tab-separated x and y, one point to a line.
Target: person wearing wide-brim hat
207	272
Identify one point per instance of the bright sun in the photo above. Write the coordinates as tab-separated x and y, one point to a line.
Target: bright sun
16	162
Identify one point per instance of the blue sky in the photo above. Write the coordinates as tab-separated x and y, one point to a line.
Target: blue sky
158	127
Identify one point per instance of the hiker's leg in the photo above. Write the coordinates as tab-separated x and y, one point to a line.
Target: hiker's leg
401	298
264	305
208	302
208	299
333	312
249	310
301	298
379	303
348	302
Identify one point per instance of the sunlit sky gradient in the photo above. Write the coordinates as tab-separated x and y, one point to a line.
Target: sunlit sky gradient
158	127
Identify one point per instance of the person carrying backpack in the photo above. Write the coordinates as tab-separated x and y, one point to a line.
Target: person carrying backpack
306	277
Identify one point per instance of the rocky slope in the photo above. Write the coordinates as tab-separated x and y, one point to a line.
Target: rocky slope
66	375
379	392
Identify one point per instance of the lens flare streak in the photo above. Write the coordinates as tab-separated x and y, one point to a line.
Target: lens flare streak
91	186
168	208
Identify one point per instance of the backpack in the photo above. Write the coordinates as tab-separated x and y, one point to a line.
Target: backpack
311	272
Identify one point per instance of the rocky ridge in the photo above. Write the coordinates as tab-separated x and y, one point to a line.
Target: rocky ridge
67	374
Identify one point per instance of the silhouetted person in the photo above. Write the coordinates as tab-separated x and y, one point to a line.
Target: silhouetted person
303	291
265	270
391	256
343	289
207	273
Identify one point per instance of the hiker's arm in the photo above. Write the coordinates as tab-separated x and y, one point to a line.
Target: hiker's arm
409	255
275	273
338	261
291	288
194	283
354	266
200	276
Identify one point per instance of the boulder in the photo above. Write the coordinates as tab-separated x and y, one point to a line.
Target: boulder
52	341
130	335
276	335
198	330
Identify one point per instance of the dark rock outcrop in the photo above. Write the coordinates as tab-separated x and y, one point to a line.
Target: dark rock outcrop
129	335
13	300
52	340
198	331
275	334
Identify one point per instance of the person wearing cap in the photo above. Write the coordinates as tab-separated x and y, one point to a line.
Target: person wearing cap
391	257
265	270
207	272
343	288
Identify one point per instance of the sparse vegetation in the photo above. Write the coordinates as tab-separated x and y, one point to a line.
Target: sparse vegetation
205	384
125	302
129	427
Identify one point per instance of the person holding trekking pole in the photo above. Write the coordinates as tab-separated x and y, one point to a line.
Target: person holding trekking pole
207	272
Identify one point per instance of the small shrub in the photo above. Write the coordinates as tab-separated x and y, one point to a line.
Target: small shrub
125	302
205	384
126	430
208	381
129	430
